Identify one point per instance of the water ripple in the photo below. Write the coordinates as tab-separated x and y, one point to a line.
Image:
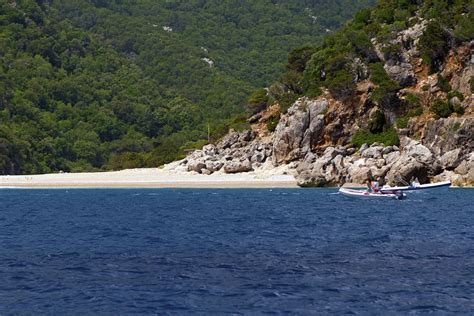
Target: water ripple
234	252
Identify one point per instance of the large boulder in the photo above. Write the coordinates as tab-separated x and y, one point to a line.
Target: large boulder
196	166
235	166
463	175
451	159
447	134
298	129
417	150
311	178
466	168
407	168
210	150
214	166
392	157
359	174
228	140
372	152
402	72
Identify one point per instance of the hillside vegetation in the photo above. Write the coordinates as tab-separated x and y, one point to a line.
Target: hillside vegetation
95	85
369	45
389	95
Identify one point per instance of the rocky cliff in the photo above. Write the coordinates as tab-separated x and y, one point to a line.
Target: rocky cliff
428	118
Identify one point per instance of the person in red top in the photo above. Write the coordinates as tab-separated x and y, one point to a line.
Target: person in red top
376	185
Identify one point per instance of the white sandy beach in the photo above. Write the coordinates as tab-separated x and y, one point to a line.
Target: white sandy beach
152	178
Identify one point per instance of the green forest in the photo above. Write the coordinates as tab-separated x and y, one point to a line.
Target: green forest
104	85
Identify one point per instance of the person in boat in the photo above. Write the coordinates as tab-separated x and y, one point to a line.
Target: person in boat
376	185
369	185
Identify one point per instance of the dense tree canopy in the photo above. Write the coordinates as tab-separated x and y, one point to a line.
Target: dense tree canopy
109	84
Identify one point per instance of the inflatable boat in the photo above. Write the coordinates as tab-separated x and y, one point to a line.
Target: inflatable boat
365	194
415	187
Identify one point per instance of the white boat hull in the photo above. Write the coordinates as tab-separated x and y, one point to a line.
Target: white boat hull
365	194
429	186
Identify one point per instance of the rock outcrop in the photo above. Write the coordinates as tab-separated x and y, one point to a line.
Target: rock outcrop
314	135
398	53
298	129
236	152
446	134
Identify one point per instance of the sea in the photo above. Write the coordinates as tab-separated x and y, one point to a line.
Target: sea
234	252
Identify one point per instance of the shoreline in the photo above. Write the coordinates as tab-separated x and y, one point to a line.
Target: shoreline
155	178
147	178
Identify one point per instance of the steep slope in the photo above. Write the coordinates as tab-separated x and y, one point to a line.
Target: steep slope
390	94
94	85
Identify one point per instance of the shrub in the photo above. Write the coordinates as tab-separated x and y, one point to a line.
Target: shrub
298	58
402	122
456	126
385	93
286	101
342	84
471	83
388	137
392	51
377	122
378	75
443	84
238	123
441	108
372	29
291	81
257	101
194	145
457	94
464	30
458	109
416	111
361	44
412	100
434	46
273	122
363	16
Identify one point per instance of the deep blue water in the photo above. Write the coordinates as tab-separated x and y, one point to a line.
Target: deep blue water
234	251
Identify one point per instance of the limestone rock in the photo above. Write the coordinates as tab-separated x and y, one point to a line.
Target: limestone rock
310	179
359	174
209	150
466	166
417	150
259	157
388	150
392	157
298	130
230	139
237	166
214	166
372	152
196	166
451	159
462	168
401	72
408	168
206	171
447	134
